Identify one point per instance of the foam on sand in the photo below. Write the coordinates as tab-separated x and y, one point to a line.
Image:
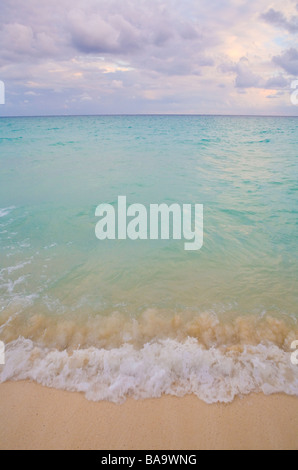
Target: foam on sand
164	367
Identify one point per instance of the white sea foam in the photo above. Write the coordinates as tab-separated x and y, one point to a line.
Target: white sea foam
10	269
11	285
163	367
53	245
5	211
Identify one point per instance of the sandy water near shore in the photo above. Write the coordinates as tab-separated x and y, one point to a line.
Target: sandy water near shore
35	417
144	318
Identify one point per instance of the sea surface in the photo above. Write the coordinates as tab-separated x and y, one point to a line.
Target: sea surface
118	319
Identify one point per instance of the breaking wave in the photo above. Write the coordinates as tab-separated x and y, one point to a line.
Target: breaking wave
114	358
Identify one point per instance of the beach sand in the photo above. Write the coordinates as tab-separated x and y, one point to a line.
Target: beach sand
34	417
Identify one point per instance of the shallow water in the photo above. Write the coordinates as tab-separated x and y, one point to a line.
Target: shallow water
143	318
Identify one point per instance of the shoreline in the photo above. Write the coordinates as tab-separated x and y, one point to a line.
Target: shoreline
35	417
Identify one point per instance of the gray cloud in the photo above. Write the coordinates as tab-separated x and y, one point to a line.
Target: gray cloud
278	82
110	56
278	19
288	61
96	34
155	40
110	29
150	33
245	77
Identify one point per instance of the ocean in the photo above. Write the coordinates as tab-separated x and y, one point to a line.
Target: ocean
142	318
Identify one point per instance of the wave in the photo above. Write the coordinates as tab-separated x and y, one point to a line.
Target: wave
114	357
163	367
78	329
6	211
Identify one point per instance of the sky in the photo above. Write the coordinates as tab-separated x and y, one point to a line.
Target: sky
60	57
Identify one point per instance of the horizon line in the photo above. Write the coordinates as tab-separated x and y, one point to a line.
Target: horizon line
147	114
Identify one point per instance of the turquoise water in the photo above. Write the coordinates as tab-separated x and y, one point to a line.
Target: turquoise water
64	293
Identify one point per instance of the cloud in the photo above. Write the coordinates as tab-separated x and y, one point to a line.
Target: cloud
154	37
276	83
31	93
114	56
245	77
277	18
288	61
117	84
17	38
110	29
94	34
20	42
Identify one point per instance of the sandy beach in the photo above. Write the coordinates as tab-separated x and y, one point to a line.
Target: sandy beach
34	417
148	227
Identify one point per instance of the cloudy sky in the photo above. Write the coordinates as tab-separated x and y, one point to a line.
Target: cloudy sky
148	56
